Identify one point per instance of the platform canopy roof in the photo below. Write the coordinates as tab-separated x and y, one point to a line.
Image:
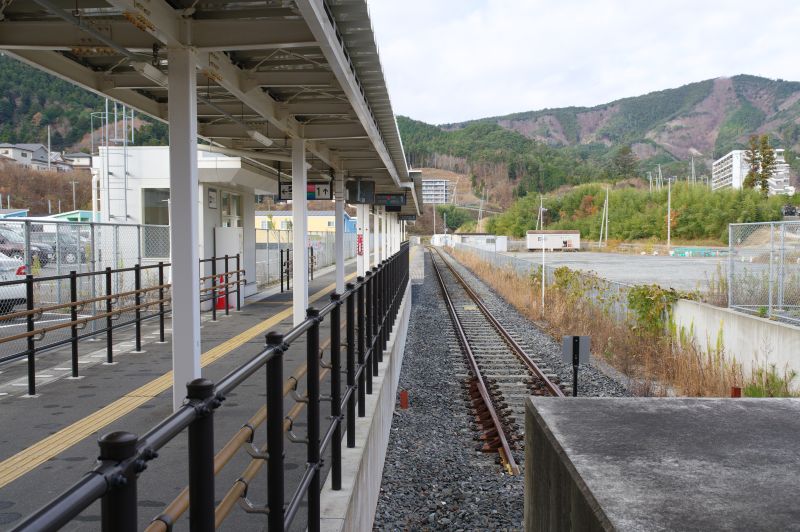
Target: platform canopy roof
268	71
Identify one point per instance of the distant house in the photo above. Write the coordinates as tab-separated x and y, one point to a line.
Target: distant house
35	156
21	155
79	159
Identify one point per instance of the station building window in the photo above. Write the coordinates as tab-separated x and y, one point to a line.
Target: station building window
155	206
231	209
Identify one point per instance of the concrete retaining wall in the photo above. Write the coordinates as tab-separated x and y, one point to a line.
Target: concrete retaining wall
556	497
353	507
750	340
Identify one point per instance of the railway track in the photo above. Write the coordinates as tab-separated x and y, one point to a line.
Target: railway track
502	373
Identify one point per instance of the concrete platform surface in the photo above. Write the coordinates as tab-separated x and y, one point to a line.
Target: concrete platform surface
670	464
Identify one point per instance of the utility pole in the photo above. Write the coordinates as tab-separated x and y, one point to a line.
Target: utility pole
433	210
48	147
74	203
480	209
669	212
694	177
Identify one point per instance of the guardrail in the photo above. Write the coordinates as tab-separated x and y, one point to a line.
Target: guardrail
108	307
371	308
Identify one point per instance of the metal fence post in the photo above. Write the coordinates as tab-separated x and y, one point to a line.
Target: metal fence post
137	300
109	335
369	329
239	282
275	483
377	326
73	314
771	261
92	264
201	457
781	266
119	505
30	341
161	302
336	392
361	348
312	386
280	267
27	242
351	366
214	288
731	264
227	279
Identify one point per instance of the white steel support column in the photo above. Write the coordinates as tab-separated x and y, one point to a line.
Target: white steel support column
385	230
368	246
362	260
183	219
378	236
299	231
339	228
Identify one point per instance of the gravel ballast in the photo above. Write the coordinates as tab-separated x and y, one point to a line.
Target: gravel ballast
433	477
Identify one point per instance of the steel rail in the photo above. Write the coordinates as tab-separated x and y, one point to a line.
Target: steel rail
505	449
524	357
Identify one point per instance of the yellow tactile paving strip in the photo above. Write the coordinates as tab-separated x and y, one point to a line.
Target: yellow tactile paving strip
24	461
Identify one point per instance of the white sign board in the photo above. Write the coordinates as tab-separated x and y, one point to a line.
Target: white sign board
571	355
314	191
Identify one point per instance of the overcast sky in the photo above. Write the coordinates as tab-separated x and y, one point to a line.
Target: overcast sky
453	60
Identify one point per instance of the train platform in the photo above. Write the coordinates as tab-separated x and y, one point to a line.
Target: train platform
662	464
54	440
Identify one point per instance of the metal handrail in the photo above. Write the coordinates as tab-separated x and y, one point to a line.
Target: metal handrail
234	279
123	456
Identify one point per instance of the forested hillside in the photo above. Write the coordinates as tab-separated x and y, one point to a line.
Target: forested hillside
540	151
496	157
705	119
30	100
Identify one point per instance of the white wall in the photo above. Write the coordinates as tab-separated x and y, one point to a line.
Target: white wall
148	167
750	340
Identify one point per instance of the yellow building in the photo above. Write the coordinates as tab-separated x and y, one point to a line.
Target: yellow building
318	222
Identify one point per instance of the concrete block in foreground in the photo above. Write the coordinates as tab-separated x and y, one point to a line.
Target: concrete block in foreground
662	464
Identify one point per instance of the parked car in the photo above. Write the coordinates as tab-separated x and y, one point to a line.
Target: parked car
12	295
68	248
12	244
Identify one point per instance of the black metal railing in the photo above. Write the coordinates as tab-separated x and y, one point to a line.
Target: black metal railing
123	455
54	308
286	267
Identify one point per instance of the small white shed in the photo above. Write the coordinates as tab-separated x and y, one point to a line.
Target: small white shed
563	240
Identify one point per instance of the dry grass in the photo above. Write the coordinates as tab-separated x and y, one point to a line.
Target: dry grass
656	364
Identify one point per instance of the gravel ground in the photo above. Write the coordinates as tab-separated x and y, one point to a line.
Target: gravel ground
433	478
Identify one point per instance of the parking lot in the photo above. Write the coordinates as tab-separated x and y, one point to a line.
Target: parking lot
681	273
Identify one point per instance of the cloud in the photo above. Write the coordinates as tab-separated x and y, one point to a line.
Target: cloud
450	60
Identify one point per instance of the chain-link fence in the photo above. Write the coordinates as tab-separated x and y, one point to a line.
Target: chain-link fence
270	243
55	248
764	269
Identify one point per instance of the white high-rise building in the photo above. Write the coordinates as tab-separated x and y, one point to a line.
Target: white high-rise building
436	191
730	170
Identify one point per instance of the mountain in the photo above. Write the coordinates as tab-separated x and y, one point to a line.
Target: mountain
703	119
31	100
542	150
